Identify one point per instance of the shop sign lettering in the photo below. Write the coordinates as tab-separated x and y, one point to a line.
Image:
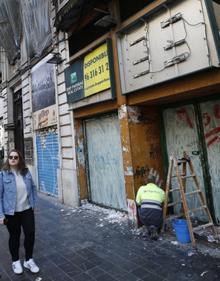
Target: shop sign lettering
89	75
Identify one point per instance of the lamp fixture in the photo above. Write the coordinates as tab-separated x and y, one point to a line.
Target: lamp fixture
106	21
55	58
9	127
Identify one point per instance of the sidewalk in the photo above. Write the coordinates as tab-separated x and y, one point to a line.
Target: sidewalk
91	243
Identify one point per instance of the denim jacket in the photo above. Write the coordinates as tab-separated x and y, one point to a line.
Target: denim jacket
8	192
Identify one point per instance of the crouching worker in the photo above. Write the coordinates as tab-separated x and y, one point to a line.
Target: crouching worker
149	200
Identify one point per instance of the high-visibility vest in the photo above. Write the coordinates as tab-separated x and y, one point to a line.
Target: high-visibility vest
150	196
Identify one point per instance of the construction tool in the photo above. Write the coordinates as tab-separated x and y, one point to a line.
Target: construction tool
183	175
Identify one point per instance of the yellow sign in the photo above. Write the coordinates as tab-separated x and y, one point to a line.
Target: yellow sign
96	71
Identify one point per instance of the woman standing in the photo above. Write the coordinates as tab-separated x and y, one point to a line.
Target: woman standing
17	200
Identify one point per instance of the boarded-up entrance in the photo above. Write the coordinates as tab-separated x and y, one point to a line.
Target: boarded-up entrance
105	166
211	125
182	135
181	129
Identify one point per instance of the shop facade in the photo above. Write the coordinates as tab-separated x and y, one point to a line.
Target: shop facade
35	117
165	68
118	87
176	76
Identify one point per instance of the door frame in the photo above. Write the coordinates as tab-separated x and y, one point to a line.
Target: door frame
201	143
109	114
17	97
86	155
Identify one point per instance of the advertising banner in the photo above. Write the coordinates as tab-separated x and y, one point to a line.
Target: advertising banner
74	81
43	86
45	117
89	75
96	71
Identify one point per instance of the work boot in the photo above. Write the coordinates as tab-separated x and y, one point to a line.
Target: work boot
153	232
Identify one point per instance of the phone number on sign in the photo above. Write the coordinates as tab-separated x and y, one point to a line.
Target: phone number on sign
97	71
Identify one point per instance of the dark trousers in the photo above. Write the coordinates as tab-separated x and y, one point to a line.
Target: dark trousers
25	220
151	217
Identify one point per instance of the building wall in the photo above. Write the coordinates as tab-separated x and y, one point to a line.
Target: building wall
145	144
1	132
138	113
8	135
66	172
68	186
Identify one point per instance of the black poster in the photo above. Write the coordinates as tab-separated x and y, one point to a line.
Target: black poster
43	87
74	81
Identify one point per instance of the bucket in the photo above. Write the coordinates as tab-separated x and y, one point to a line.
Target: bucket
182	231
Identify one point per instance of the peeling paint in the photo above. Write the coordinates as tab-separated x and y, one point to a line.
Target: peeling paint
125	149
132	211
129	171
80	153
122	112
43	135
134	114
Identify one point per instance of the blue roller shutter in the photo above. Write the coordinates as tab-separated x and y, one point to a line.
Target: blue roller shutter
48	160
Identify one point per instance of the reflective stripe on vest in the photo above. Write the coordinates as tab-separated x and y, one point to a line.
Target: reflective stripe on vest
152	204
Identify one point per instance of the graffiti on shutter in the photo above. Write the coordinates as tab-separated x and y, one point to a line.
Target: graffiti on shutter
47	160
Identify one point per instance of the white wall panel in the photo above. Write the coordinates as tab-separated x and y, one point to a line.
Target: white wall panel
67	141
62	98
65	119
65	130
67	153
175	41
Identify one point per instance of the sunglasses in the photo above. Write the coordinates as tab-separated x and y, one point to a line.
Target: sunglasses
13	157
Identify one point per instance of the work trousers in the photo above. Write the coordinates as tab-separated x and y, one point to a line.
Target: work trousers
24	219
150	217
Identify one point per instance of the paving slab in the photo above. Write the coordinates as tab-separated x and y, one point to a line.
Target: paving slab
93	243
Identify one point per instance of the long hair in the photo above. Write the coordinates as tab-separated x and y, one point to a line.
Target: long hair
21	163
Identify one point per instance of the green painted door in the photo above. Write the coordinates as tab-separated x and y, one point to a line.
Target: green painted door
182	135
211	125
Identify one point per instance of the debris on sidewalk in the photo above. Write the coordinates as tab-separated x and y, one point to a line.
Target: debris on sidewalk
106	215
92	242
204	272
174	242
211	238
207	235
191	253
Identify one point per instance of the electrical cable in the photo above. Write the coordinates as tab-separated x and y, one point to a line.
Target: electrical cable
145	42
190	24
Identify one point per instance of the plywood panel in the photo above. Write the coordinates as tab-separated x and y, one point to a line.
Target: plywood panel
182	135
105	162
211	124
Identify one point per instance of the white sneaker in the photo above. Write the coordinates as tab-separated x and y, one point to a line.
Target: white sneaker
17	267
31	265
